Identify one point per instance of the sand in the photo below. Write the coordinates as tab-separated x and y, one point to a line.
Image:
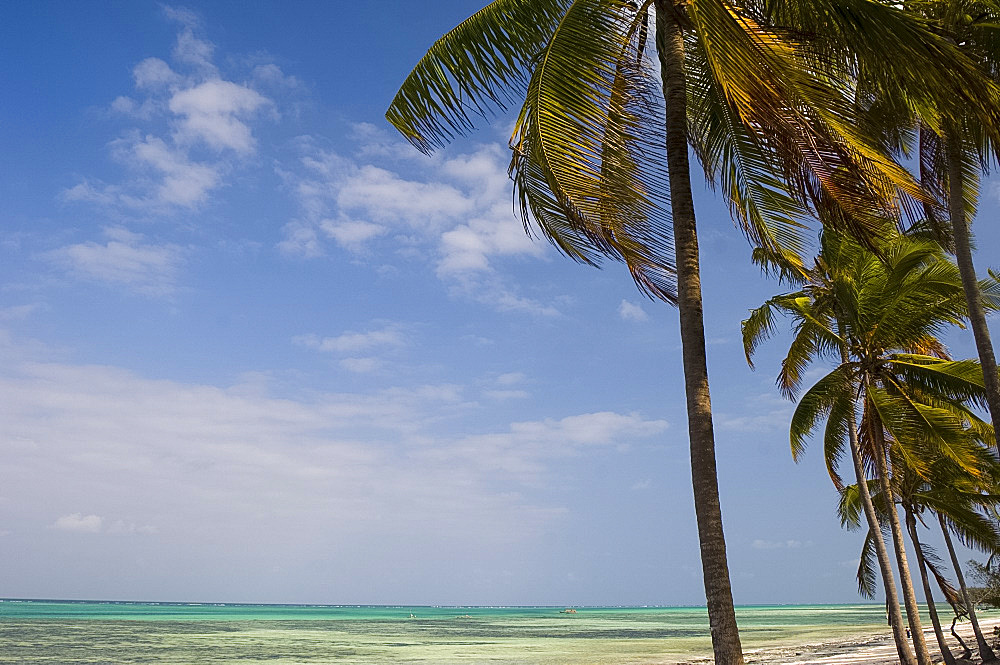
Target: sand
879	650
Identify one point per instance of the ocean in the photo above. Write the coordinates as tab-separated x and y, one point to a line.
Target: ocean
45	631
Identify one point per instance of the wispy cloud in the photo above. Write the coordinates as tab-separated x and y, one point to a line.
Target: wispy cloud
525	449
511	378
791	544
241	461
124	259
630	311
181	108
504	395
459	208
211	112
760	413
79	523
385	339
351	342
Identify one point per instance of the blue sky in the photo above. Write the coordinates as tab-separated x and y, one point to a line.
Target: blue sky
253	347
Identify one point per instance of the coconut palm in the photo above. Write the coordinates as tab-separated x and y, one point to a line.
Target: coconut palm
879	316
960	502
953	158
957	139
588	149
962	497
849	516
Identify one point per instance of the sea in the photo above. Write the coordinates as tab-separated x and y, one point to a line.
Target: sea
109	632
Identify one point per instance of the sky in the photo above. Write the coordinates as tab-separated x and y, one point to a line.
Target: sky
256	348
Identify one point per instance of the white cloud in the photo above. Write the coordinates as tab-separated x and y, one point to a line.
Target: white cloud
491	291
182	181
301	239
189	48
600	428
511	378
524	449
352	235
217	465
460	208
210	112
202	107
761	413
18	312
384	196
630	311
155	74
503	395
79	523
124	259
350	342
760	544
361	365
121	526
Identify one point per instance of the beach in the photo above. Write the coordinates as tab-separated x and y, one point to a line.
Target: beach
878	650
137	632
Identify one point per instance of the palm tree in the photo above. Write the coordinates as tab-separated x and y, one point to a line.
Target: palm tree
945	499
813	308
879	315
960	502
588	147
849	517
953	158
958	511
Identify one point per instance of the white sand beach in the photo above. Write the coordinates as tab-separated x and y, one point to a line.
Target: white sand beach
879	650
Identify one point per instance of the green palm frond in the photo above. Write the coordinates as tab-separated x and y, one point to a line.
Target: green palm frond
744	168
760	324
923	432
476	69
960	380
990	290
587	144
812	340
815	404
951	594
835	435
896	49
808	122
868	567
850	508
972	528
886	413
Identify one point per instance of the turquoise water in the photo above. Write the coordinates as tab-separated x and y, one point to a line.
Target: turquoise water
117	632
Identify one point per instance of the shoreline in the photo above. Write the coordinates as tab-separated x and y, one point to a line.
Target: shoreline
879	649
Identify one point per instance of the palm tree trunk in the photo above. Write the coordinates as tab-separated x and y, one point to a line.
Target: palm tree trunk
881	551
715	568
911	526
966	651
906	580
985	652
963	257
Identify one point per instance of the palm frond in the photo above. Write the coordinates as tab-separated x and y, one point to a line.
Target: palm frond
809	123
867	568
759	325
960	380
815	404
745	168
476	69
587	146
838	423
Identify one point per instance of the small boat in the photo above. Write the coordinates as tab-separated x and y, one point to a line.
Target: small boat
568	610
